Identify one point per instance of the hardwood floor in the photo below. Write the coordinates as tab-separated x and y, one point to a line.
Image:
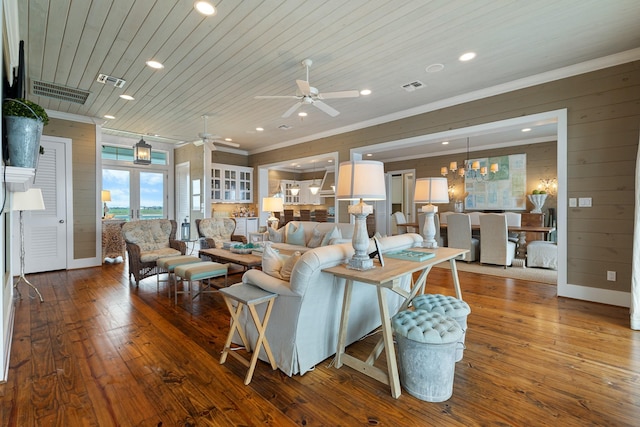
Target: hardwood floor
100	351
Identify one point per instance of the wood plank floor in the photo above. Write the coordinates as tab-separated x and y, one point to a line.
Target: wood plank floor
101	352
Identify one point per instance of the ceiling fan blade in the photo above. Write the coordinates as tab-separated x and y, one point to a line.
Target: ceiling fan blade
276	97
341	94
291	110
327	109
303	87
228	143
210	145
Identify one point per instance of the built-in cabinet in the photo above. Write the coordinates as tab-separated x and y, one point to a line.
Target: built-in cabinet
231	184
304	197
246	225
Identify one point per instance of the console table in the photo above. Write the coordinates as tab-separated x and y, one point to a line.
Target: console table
387	277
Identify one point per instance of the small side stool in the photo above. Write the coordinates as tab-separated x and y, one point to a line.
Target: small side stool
199	271
447	306
168	265
250	296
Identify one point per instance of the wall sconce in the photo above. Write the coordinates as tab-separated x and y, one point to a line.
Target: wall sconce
549	185
142	153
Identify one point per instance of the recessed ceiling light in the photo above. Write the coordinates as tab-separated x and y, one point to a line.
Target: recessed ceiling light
434	68
259	129
330	160
467	56
445	142
302	114
155	64
109	116
127	97
369	154
365	92
228	139
526	130
205	8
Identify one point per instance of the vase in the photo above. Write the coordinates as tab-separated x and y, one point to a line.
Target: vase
23	139
538	201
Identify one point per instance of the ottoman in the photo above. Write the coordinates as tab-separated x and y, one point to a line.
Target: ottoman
542	254
168	264
200	271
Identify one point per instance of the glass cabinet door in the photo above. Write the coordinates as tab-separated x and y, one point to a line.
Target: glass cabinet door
216	184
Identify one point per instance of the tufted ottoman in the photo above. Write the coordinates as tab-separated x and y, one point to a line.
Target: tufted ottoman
427	345
542	254
448	306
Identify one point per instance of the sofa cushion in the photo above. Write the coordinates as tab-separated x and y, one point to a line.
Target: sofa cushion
276	236
295	234
335	233
288	265
271	262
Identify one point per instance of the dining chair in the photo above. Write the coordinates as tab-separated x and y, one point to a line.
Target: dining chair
305	214
495	246
321	215
459	236
288	216
514	219
398	219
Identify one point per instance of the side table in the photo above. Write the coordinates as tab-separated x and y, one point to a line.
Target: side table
250	296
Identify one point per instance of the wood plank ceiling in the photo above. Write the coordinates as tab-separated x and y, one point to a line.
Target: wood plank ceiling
216	65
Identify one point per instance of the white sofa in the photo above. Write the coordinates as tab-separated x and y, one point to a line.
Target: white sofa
310	229
303	329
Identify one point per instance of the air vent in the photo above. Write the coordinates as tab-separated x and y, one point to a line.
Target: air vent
410	87
59	92
284	127
104	79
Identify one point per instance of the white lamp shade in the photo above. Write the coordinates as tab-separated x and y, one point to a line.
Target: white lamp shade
106	195
431	190
30	200
362	179
272	204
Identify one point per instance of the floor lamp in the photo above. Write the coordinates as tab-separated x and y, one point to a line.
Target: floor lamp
30	200
361	180
271	205
430	190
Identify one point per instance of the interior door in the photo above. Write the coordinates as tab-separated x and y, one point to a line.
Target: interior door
45	232
182	192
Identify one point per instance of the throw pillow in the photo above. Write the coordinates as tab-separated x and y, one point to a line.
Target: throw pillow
316	239
295	236
271	262
289	263
276	236
335	233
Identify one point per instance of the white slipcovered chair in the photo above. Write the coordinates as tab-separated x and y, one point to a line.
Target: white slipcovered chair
459	236
495	247
397	221
514	219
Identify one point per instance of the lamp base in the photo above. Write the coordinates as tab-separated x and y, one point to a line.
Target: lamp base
360	241
429	229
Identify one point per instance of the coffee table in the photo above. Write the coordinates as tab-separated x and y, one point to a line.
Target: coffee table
246	260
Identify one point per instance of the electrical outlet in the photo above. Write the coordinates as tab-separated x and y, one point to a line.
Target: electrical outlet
611	276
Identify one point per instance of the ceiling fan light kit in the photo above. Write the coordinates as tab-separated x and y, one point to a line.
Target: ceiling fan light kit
208	139
309	95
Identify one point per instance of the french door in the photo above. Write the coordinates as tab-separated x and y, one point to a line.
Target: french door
135	194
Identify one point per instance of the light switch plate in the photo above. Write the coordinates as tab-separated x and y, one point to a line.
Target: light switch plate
573	202
584	202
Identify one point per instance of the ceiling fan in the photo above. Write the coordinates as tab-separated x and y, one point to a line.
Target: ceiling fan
209	139
309	95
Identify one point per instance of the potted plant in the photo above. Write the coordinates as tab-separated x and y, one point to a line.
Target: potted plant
23	123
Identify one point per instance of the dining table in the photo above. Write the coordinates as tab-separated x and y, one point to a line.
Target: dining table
521	252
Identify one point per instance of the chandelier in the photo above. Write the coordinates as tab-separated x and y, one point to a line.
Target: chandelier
469	170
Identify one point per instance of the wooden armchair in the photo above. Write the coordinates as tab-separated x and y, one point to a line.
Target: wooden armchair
213	232
147	241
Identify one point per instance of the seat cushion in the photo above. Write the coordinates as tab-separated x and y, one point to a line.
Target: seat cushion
201	270
153	256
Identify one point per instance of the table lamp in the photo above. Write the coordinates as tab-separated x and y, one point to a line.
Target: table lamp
361	180
30	200
430	190
106	197
271	205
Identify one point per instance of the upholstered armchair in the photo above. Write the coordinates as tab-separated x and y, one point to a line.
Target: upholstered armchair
213	232
147	241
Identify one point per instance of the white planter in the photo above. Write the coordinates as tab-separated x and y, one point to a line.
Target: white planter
538	201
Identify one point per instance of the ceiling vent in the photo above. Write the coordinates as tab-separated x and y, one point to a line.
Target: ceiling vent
59	92
410	87
284	127
104	79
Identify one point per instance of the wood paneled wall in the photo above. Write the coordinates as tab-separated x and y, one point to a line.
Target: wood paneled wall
603	129
83	164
